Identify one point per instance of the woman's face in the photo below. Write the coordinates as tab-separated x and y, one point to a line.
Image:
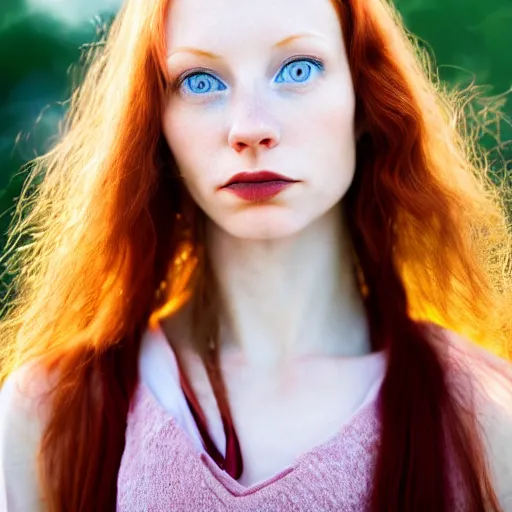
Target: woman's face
277	95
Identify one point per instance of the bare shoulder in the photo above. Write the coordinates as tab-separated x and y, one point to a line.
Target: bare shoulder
487	380
22	416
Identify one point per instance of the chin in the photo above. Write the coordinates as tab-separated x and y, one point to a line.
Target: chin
262	234
269	228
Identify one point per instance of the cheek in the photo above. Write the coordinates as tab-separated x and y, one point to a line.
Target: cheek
333	145
326	120
179	132
186	138
337	117
329	135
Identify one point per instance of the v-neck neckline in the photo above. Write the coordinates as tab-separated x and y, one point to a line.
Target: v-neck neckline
232	462
366	411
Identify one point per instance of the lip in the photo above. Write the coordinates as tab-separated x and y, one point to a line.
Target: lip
258	191
257	186
256	177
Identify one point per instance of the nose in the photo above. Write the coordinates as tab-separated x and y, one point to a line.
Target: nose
252	127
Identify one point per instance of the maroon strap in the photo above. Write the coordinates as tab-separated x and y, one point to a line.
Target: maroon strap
232	463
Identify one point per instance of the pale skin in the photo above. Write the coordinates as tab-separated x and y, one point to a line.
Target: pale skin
291	306
284	266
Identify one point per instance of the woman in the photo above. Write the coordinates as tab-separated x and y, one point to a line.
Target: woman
261	268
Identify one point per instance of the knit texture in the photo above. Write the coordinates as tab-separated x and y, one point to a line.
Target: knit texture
161	469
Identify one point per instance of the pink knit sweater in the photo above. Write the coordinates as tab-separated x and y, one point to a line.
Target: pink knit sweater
161	470
164	467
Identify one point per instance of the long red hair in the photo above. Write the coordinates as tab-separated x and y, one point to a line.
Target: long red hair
101	247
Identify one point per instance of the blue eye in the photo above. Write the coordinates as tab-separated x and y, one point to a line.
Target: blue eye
301	69
201	82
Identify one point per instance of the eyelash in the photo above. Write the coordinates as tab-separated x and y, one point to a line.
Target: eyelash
176	84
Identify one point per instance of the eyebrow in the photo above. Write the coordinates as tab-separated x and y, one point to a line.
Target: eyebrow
203	53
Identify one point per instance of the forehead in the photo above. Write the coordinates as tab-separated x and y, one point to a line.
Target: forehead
223	25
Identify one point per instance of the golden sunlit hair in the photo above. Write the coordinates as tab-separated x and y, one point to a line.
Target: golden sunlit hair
105	241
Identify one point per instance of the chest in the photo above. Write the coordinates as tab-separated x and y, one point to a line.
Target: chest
279	416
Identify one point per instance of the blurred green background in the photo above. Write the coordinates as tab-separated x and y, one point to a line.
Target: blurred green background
41	39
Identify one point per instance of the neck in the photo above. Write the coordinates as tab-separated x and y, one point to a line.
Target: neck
289	299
